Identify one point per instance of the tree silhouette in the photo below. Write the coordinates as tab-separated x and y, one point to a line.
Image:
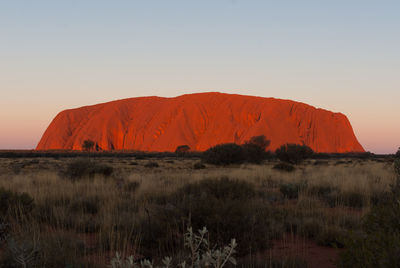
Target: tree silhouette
87	145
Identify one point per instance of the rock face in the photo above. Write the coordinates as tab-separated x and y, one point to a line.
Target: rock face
199	121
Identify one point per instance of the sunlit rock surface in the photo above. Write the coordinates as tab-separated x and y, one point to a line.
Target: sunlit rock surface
199	121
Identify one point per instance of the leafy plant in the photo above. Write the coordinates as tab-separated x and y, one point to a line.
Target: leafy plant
199	255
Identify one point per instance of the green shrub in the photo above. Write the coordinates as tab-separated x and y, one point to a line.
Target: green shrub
224	154
284	167
86	168
293	153
290	190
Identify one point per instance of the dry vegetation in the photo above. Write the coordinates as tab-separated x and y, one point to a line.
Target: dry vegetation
142	207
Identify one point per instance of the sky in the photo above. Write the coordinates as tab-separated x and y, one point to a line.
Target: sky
338	55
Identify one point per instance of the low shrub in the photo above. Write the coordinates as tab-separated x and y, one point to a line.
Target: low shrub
199	254
253	153
353	199
274	262
181	150
131	186
14	204
397	165
85	204
310	228
331	236
293	153
199	165
151	164
254	149
290	190
86	168
224	154
284	167
377	244
230	208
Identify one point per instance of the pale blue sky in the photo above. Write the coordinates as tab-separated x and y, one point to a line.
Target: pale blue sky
339	55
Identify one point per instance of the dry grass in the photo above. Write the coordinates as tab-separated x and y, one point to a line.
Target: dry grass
105	213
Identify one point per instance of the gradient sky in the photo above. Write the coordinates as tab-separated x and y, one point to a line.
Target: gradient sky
339	55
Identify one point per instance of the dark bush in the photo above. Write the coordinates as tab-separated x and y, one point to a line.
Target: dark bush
290	190
353	199
253	153
199	165
284	167
131	186
321	163
254	149
310	228
229	208
15	204
86	168
377	244
62	250
331	236
88	145
259	141
397	164
88	205
224	154
293	153
151	164
275	262
182	149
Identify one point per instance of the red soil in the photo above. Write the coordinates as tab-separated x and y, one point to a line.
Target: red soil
199	121
316	256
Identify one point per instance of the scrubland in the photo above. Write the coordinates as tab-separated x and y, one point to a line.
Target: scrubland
79	212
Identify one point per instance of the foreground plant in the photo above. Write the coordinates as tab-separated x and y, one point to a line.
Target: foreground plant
377	244
200	254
